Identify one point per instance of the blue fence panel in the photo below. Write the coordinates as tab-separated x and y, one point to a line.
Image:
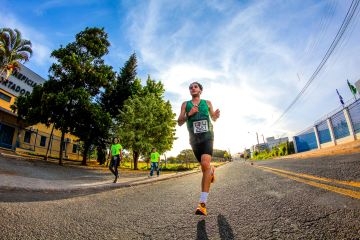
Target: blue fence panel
323	132
306	141
354	112
340	126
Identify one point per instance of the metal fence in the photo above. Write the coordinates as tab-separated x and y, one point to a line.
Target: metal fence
39	142
342	126
306	141
324	132
354	111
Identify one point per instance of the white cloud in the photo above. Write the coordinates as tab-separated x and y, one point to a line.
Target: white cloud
253	58
248	64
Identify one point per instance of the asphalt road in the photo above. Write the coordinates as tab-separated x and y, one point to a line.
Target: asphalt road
278	199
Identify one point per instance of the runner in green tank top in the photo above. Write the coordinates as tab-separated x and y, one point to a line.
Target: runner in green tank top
197	113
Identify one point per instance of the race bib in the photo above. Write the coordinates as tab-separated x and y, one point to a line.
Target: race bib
201	126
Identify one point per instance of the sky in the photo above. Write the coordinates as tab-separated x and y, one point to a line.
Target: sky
252	57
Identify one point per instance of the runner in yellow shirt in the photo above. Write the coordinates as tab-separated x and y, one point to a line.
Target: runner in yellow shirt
155	162
116	155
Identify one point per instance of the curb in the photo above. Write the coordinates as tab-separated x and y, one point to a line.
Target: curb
98	186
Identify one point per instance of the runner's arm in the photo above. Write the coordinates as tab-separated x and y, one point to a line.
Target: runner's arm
214	114
110	152
182	117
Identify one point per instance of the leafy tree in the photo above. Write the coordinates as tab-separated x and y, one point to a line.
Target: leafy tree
147	121
172	160
75	81
227	155
218	154
93	129
80	67
13	50
42	105
29	107
80	64
187	156
121	88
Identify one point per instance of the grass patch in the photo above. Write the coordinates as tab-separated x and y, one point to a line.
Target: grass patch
170	167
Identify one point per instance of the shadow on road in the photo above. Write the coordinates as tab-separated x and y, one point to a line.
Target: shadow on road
225	229
201	231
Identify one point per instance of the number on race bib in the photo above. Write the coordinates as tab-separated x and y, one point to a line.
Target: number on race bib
201	126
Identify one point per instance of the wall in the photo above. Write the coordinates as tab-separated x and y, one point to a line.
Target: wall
341	127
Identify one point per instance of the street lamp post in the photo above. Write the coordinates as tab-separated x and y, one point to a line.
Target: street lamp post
263	138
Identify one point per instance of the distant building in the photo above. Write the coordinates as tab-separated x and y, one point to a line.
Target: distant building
16	135
273	142
260	147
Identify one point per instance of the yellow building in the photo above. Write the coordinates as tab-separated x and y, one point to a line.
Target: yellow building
15	135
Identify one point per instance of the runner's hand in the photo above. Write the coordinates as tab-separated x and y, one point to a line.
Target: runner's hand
217	113
193	110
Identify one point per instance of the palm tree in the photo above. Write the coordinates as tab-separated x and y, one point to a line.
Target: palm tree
13	50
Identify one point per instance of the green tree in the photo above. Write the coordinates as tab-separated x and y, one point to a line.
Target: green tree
13	50
227	155
67	99
29	107
147	121
218	153
93	129
187	156
121	88
42	105
79	66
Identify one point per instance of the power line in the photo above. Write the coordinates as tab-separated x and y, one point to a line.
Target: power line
323	25
351	11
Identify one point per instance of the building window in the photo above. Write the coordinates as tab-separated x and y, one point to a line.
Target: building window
27	137
74	149
42	141
5	97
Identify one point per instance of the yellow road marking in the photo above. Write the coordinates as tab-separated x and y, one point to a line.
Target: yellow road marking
293	176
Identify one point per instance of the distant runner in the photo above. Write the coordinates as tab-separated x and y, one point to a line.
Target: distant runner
155	162
197	113
115	155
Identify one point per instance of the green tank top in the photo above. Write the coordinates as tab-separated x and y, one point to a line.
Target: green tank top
199	125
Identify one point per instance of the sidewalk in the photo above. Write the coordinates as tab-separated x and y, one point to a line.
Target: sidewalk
18	173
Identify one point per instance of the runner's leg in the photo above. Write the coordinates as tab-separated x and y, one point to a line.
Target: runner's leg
206	170
111	166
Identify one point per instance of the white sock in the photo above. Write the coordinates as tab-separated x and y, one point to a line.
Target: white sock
203	197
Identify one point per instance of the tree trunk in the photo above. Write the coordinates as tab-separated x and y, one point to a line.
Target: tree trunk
85	153
61	148
136	158
50	143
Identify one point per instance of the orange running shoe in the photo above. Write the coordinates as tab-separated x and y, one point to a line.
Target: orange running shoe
201	209
212	174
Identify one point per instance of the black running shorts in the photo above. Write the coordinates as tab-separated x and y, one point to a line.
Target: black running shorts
205	147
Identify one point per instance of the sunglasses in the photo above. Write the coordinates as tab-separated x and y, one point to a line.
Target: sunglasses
193	86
